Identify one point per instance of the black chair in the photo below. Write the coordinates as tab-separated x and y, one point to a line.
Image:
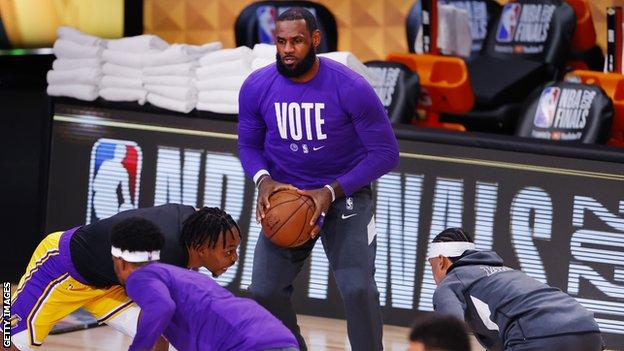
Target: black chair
527	47
399	90
566	111
483	14
253	24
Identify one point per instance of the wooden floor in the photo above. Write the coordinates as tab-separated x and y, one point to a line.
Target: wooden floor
321	334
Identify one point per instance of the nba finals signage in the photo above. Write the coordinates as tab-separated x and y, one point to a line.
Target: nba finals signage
523	28
559	219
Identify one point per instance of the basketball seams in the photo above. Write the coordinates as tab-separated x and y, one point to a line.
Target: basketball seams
288	215
287	219
305	223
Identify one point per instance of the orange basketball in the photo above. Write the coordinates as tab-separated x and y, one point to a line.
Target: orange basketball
287	221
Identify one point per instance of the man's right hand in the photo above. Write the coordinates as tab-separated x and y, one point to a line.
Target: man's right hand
267	187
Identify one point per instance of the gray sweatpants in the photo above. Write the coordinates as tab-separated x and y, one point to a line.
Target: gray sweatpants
569	342
350	245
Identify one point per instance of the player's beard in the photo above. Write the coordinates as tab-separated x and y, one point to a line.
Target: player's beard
300	68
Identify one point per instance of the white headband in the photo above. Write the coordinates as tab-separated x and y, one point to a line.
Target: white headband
449	249
135	256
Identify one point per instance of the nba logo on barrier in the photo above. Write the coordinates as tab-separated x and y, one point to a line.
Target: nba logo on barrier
509	23
547	107
114	178
266	24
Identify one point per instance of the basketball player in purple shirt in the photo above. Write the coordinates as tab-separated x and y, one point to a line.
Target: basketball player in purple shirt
313	124
192	311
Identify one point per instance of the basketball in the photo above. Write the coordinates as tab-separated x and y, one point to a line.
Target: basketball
287	221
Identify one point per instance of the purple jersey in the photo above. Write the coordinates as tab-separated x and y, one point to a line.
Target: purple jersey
195	313
310	134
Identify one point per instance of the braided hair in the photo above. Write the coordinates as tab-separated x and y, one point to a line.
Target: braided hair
207	224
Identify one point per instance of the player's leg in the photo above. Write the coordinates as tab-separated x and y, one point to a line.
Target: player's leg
274	270
348	237
115	308
569	342
43	296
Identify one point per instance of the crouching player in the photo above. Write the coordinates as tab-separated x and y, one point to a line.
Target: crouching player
505	308
191	310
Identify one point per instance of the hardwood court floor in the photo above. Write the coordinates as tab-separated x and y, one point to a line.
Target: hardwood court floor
321	334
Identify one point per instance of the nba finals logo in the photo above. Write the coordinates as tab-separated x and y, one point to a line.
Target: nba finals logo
114	178
266	24
547	107
509	23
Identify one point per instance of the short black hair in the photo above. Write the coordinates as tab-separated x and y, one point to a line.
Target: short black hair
297	13
438	332
453	234
137	234
208	223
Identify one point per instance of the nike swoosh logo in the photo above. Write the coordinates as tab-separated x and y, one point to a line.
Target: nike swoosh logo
348	216
318	148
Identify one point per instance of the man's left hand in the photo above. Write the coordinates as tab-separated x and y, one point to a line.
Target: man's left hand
322	198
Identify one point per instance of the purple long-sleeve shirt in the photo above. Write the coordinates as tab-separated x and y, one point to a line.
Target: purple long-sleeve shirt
195	313
332	127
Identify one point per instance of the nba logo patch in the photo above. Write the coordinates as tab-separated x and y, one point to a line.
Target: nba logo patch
266	16
508	23
547	107
114	178
349	203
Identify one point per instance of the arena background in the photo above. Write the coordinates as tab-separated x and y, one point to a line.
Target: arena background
554	212
369	28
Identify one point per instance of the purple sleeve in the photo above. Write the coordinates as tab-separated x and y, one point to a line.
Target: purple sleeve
157	308
375	132
251	129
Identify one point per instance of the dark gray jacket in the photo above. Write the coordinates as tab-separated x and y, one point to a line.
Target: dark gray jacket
503	305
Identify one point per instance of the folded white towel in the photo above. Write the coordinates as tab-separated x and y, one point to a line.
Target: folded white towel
180	53
68	49
123	94
217	108
88	75
70	64
78	91
454	33
171	104
261	62
121	82
349	60
123	58
219	96
139	43
226	55
179	69
224	69
173	92
222	83
111	69
265	50
179	81
78	37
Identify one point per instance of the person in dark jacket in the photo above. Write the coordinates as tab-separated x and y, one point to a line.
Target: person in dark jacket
506	309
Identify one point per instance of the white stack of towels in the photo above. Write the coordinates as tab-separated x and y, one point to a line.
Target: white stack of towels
264	55
123	62
77	70
219	79
169	76
176	77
